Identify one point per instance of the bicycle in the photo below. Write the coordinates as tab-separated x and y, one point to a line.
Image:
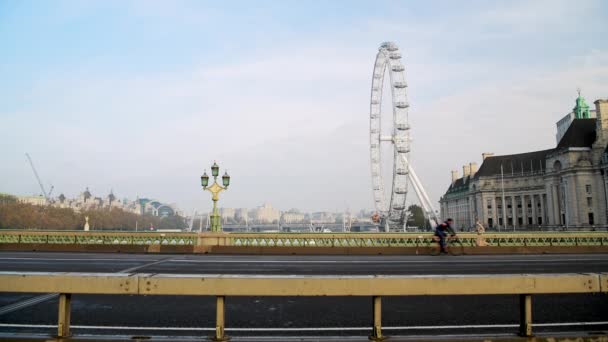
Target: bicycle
452	244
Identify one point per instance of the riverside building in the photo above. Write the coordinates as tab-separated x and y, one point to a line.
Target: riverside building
564	186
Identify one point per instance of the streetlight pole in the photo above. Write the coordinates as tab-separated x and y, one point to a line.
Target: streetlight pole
215	189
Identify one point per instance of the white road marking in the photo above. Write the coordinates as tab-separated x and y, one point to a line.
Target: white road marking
232	260
74	259
39	299
129	270
216	261
25	303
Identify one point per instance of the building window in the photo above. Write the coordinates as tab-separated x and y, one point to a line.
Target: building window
589	202
588	188
529	220
540	220
510	221
490	222
591	218
520	221
557	166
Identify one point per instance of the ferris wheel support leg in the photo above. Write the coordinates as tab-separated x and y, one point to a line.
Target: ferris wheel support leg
428	210
421	193
429	206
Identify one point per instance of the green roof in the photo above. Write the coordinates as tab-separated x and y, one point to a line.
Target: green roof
581	109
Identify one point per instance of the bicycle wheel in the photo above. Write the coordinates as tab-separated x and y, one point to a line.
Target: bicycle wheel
455	247
434	247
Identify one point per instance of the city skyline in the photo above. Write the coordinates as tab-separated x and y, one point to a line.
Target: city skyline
101	200
141	97
261	214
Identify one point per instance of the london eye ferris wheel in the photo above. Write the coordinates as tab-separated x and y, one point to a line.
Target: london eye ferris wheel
392	206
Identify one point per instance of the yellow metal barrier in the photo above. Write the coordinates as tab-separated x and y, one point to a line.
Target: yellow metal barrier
291	285
64	282
239	285
524	285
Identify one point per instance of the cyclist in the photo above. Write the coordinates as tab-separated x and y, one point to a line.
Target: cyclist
442	231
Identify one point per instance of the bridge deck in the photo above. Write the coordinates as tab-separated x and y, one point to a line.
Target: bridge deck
250	315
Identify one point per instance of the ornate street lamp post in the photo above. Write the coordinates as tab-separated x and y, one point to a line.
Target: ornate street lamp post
215	189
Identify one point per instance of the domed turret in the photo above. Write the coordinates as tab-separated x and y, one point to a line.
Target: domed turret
581	109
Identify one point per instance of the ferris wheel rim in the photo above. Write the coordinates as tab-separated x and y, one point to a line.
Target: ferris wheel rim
388	58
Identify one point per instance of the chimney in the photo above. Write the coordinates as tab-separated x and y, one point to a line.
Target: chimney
454	176
486	154
473	168
601	112
466	171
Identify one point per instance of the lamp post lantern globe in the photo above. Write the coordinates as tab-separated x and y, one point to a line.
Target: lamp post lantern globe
205	180
215	170
226	179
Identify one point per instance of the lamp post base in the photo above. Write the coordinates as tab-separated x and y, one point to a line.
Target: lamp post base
216	223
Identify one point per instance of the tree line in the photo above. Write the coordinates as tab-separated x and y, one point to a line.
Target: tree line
16	215
416	217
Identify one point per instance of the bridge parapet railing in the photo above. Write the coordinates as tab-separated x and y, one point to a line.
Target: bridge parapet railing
97	238
548	239
297	240
414	239
346	240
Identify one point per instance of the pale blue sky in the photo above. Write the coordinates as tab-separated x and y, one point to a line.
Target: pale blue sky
141	96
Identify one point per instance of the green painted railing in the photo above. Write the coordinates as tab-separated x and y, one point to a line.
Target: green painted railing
97	238
356	240
415	240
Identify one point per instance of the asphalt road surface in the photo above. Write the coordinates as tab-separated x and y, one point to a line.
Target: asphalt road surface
302	316
307	265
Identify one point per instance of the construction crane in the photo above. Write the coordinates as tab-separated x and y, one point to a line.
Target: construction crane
46	195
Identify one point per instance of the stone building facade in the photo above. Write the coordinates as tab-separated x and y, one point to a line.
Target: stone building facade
563	186
34	200
293	216
265	214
